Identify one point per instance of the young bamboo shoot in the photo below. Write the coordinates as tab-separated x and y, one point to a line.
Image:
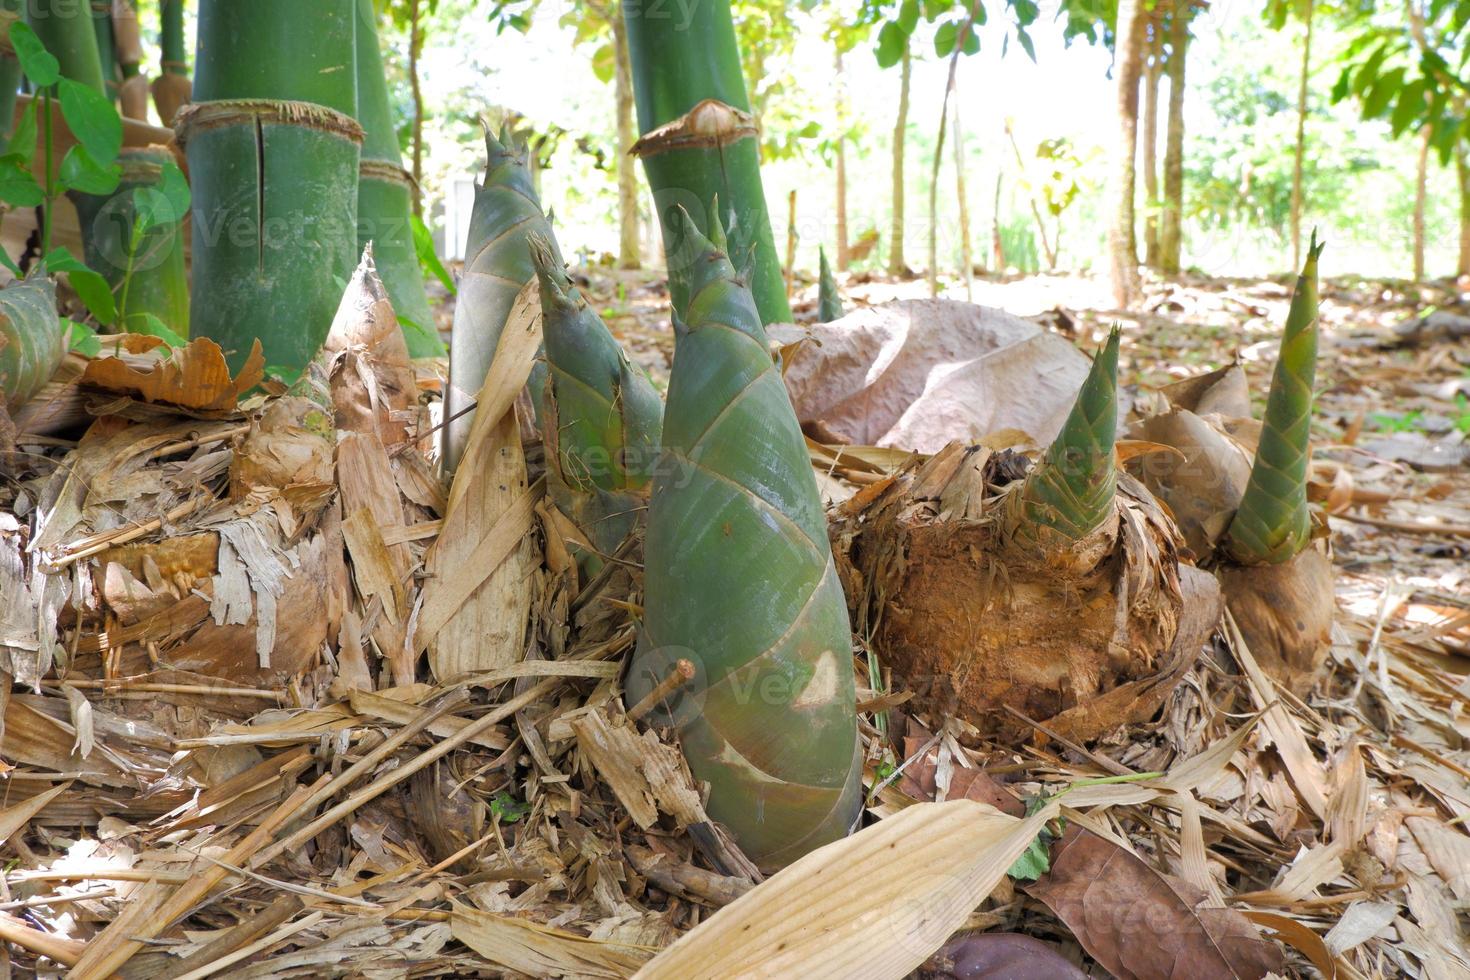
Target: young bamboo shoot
739	580
600	416
1273	523
506	213
829	300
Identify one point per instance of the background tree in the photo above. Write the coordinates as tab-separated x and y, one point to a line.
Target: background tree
1171	222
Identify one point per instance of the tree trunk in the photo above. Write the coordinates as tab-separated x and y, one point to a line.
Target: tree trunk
1420	180
949	87
630	254
1171	225
967	260
1301	144
997	248
1122	245
896	264
1151	140
1462	167
415	51
842	256
790	243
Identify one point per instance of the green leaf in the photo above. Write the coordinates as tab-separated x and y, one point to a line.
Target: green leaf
908	16
891	44
79	171
40	65
175	187
1383	92
95	294
60	259
1035	861
423	245
604	63
1026	45
147	323
1409	108
971	44
82	338
22	143
944	38
93	120
18	186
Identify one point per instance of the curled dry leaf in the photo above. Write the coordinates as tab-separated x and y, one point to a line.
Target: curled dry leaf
194	377
1141	923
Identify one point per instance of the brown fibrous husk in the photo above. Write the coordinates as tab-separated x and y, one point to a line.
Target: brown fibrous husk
1285	613
977	626
171	92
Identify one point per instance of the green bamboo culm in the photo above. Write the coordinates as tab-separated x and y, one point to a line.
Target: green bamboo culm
700	142
32	342
829	300
106	55
172	89
10	73
1071	490
506	213
739	580
65	27
151	280
600	416
1273	523
273	154
127	38
385	196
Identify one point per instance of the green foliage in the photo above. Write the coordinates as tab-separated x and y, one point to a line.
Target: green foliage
1414	78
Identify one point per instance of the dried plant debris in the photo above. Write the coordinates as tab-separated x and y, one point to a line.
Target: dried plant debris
228	750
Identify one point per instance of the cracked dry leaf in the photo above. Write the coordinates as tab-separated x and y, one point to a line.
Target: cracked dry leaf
194	377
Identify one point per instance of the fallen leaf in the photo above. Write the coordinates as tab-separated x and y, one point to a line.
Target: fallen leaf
1001	956
1140	923
195	376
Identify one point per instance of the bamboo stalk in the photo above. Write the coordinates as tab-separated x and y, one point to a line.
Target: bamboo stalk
700	143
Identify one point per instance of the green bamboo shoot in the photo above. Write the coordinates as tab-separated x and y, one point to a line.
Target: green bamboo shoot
1273	523
172	90
506	213
739	580
829	300
273	156
700	143
147	271
385	197
1071	490
32	342
600	416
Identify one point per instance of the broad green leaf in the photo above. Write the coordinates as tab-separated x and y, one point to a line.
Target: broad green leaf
908	16
152	209
971	44
604	63
1409	108
1026	45
423	245
93	120
18	186
79	171
151	325
95	294
40	65
175	187
944	38
1382	94
60	259
891	43
22	143
82	338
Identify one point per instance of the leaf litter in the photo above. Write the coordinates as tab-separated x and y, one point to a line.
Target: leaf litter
220	756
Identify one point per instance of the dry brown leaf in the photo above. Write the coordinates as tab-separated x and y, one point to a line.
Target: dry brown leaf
540	951
194	377
876	904
14	818
1140	923
1001	956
